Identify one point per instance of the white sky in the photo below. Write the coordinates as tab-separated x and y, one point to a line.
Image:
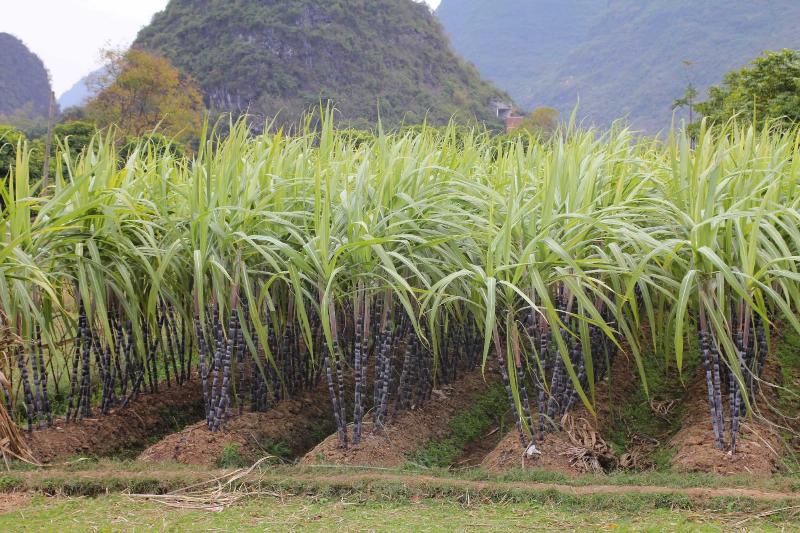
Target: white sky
68	34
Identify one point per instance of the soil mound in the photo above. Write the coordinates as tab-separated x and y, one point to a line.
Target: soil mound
510	454
121	430
289	429
406	432
558	450
757	447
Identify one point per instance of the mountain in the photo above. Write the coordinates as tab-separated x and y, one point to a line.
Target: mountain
24	82
619	58
369	57
82	91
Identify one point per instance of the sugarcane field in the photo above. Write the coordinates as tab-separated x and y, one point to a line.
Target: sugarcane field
399	265
432	303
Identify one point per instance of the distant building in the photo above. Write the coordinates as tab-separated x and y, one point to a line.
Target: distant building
513	122
507	114
503	109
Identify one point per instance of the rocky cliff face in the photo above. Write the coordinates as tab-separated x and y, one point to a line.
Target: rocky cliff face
24	82
371	58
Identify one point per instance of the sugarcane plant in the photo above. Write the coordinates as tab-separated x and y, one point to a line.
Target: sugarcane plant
267	266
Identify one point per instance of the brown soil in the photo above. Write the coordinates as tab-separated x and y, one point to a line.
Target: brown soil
757	447
475	451
407	432
122	430
298	424
509	454
621	383
12	501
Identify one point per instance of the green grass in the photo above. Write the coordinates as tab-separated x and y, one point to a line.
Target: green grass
110	476
787	352
11	483
635	415
231	458
120	513
347	499
277	448
465	427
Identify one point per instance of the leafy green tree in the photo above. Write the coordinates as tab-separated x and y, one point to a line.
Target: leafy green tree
76	135
543	121
141	92
687	101
767	90
9	137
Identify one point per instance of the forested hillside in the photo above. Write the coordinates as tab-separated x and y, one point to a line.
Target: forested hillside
617	57
367	56
24	83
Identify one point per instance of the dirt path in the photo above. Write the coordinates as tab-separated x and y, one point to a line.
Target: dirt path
11	501
575	490
309	477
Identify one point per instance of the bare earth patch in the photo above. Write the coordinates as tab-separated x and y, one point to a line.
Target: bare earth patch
621	384
408	431
12	501
297	423
121	429
509	454
757	448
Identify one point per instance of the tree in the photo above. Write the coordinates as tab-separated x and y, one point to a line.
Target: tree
542	121
9	137
767	90
76	135
687	100
140	92
689	94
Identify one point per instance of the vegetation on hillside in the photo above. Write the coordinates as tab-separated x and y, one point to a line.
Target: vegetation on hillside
767	90
371	59
24	82
141	92
69	139
619	58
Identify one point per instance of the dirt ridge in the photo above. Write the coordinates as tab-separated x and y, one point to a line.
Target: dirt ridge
360	478
405	432
294	422
122	429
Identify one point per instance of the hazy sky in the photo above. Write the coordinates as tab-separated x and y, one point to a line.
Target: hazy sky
68	34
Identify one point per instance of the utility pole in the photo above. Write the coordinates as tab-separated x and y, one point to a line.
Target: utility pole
49	140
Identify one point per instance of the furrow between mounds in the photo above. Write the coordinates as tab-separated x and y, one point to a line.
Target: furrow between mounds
407	431
287	430
122	431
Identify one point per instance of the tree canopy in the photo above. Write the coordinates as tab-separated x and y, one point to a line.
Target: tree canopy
766	90
542	121
140	92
